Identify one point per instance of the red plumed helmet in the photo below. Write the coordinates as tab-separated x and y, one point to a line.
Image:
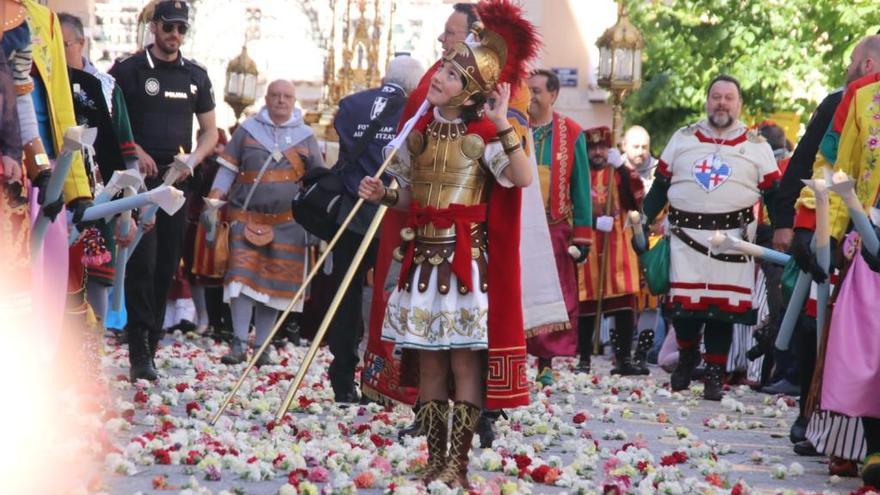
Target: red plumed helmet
507	42
505	19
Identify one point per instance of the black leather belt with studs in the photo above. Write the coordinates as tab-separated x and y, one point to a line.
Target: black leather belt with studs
696	246
711	221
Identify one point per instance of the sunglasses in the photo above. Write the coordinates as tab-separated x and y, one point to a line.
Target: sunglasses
168	27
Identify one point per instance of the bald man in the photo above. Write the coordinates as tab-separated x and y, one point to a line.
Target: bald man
637	153
267	246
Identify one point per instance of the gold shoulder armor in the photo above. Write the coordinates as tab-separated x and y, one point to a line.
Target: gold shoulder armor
754	137
415	143
472	146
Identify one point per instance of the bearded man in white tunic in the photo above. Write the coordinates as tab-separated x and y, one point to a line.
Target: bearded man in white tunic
711	174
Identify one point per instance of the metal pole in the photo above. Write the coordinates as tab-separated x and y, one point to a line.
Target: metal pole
299	293
331	311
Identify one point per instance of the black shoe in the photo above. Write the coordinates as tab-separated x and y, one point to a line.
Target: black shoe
806	448
640	357
153	342
583	366
783	387
264	359
236	354
486	430
347	398
544	363
713	388
688	359
221	333
415	428
798	431
141	365
621	344
184	326
292	330
624	367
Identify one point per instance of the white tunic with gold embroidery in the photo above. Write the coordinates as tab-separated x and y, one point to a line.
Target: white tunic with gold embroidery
428	319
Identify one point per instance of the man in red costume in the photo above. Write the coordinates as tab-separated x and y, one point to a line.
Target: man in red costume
616	190
564	174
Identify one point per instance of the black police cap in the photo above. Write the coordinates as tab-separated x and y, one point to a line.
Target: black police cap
172	11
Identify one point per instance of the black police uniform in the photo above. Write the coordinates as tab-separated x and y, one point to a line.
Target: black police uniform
161	98
353	118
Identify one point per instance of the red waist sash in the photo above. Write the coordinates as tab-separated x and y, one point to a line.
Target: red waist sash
457	215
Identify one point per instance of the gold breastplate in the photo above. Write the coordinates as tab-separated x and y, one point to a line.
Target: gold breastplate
446	169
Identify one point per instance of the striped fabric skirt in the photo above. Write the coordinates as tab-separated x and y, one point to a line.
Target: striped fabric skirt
742	335
270	274
838	435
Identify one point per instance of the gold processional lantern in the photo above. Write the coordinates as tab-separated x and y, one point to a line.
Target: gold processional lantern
620	63
620	71
241	83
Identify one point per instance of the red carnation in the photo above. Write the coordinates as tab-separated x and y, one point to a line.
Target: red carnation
522	461
192	407
611	489
181	387
674	458
379	441
162	456
579	418
141	397
539	474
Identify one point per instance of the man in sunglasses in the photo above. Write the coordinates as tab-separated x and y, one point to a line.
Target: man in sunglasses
163	90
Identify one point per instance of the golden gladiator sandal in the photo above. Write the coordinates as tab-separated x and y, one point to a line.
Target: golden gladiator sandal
434	418
464	424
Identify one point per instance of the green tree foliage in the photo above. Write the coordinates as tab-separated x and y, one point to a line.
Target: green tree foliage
782	51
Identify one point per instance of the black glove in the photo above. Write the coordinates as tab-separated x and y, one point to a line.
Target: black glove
79	207
585	251
872	259
52	209
804	256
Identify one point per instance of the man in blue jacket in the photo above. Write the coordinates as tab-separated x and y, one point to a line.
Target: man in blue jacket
366	121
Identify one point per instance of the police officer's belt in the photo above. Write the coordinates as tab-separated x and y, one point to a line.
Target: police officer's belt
281	175
711	221
237	215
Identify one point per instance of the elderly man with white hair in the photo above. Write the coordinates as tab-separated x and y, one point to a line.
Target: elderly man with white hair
366	122
259	174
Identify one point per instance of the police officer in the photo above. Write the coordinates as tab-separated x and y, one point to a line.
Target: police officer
366	122
162	91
